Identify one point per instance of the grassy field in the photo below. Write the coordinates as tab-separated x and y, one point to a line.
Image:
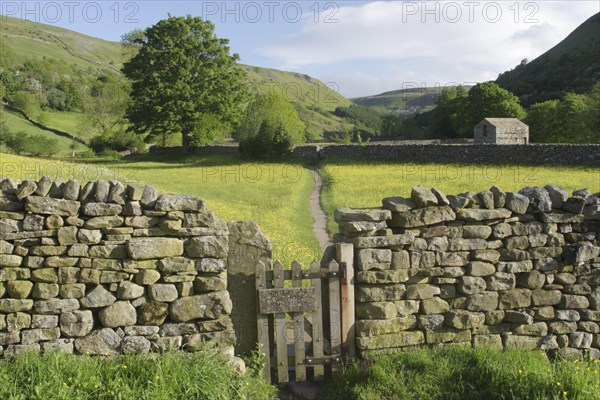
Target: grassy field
69	122
17	123
161	377
462	373
364	184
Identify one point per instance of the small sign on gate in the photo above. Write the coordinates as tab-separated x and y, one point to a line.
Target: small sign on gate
273	301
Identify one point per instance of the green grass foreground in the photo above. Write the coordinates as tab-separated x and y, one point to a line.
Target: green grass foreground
462	373
168	376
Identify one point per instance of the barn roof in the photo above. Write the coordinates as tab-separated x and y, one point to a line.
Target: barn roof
504	122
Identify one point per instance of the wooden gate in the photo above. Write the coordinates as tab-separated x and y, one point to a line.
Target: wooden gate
305	317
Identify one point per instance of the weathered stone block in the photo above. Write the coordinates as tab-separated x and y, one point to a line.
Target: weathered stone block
103	222
487	341
120	313
210	283
366	293
152	313
531	280
558	195
514	298
515	267
421	291
447	336
76	323
478	268
517	202
434	305
39	335
476	215
574	301
10	260
374	259
50	206
99	342
400	339
101	209
162	292
580	340
383	277
169	202
471	285
423	197
45	291
422	217
56	306
17	321
377	310
207	246
462	319
15	305
129	291
19	289
135	345
98	297
143	249
398	204
211	305
486	301
539	199
376	327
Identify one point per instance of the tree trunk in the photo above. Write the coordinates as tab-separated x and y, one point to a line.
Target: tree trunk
185	140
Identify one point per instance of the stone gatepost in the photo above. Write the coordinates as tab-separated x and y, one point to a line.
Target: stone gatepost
247	246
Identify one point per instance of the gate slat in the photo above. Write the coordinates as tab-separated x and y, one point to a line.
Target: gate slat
299	350
317	323
262	323
280	330
334	316
345	254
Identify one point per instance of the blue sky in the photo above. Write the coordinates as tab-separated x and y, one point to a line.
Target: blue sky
363	47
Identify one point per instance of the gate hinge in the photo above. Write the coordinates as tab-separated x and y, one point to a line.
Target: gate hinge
333	359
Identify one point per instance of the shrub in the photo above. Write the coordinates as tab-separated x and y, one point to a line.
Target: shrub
271	127
116	142
23	143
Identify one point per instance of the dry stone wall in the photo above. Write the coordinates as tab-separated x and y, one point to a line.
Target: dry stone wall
104	268
507	270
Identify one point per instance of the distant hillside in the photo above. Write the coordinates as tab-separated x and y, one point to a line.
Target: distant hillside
404	102
573	65
66	52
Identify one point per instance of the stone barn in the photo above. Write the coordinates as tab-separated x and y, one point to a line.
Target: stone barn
501	131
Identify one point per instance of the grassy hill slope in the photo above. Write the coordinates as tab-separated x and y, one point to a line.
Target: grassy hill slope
404	102
72	53
573	65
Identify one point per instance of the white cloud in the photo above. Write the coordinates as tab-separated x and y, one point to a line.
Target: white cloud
427	42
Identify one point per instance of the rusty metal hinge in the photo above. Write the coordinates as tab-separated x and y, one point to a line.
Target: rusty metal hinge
334	359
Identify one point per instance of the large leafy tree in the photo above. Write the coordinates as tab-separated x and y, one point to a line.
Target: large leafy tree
182	74
445	118
489	100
